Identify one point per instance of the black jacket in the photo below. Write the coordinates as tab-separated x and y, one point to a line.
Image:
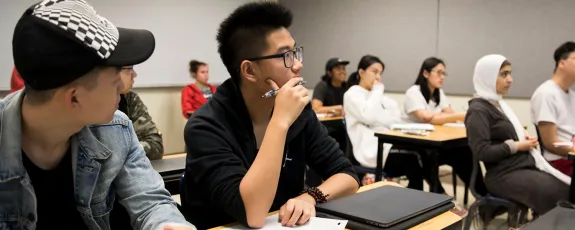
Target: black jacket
221	147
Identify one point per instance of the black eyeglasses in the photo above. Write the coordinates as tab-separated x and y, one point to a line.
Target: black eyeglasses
288	57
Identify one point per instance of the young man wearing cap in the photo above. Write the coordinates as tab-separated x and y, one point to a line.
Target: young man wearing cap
552	106
247	154
66	155
328	93
145	128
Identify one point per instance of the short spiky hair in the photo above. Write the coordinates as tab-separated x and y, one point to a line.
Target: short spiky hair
242	35
562	52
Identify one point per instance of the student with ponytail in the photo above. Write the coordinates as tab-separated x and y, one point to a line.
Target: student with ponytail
366	109
197	94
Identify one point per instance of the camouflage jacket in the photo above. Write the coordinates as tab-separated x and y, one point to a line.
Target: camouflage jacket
146	130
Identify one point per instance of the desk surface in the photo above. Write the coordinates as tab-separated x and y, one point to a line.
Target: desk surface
441	133
170	163
332	118
439	222
558	219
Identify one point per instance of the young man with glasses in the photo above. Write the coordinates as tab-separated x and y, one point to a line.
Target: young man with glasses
247	154
130	103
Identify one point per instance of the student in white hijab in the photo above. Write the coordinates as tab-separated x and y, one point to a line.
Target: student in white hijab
515	169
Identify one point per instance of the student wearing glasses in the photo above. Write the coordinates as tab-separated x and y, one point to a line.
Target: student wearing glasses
425	102
197	94
247	154
130	103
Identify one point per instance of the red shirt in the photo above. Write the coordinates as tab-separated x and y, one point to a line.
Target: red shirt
16	82
193	98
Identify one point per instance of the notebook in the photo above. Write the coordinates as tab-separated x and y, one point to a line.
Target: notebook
413	126
385	206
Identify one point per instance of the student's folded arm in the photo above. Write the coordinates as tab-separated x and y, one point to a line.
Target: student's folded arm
140	189
325	158
548	132
365	111
223	180
545	116
434	118
479	137
146	129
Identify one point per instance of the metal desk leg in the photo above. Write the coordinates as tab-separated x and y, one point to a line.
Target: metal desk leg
434	161
379	166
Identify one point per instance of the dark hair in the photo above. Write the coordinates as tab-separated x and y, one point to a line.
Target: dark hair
195	65
505	63
562	52
242	35
428	65
364	63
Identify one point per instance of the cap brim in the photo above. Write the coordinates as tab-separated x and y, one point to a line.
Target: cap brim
343	63
134	47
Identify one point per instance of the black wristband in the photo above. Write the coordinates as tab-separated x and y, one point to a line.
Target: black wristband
316	194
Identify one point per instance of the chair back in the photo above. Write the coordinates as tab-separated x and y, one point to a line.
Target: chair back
539	139
474	172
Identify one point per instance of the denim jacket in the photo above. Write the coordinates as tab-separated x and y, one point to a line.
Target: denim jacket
108	163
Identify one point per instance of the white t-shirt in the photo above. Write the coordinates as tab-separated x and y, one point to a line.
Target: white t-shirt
414	101
550	103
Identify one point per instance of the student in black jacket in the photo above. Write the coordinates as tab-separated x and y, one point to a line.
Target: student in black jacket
247	154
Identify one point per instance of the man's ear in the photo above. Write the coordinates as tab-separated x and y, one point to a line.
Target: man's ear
248	70
71	99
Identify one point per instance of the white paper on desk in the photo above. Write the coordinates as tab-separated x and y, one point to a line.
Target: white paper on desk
456	125
413	126
315	223
320	115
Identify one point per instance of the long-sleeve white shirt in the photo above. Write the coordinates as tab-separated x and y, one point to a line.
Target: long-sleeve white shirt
366	111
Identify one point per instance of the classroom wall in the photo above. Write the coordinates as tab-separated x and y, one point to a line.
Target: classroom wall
405	32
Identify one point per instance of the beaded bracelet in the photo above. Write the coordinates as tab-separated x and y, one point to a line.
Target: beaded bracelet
316	194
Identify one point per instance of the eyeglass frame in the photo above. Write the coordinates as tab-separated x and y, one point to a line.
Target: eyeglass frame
282	55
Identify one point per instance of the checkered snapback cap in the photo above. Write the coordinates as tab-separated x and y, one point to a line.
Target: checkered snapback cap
58	41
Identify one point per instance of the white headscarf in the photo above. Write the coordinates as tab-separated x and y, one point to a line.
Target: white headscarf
485	81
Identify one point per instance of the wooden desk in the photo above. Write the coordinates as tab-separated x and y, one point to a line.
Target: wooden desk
332	118
171	168
439	222
441	138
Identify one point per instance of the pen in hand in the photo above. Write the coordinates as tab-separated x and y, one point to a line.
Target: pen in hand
272	93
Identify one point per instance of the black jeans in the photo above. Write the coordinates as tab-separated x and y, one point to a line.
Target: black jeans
399	164
461	160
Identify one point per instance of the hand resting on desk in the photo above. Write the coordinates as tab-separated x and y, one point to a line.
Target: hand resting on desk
297	210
